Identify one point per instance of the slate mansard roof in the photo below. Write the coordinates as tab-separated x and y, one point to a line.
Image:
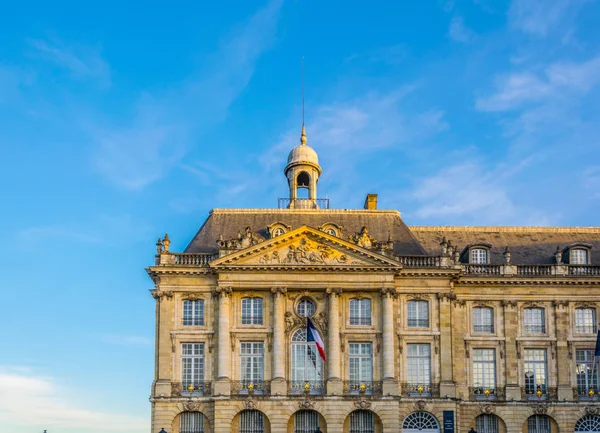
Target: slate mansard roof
528	245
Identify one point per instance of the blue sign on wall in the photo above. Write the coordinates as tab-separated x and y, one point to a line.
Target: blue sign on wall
448	421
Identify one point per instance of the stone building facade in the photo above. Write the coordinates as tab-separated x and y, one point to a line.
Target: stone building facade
491	328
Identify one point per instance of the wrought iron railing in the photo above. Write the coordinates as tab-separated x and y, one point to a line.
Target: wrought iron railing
584	393
190	389
419	261
312	387
250	387
483	269
354	387
420	389
304	203
538	392
486	393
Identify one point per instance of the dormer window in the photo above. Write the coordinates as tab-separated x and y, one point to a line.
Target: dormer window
278	232
331	229
579	256
277	229
331	232
479	256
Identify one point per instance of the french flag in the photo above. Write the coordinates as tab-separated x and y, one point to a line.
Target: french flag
313	335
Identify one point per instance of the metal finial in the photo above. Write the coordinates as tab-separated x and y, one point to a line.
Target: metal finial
303	136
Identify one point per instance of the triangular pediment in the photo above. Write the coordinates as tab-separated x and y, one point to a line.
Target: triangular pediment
306	247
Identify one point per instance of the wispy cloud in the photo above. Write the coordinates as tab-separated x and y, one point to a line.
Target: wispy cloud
28	399
80	61
538	17
458	31
165	124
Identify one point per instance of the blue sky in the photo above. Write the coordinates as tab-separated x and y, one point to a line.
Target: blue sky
122	121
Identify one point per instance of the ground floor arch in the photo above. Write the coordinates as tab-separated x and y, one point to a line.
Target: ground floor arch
420	422
190	422
306	421
540	424
489	423
250	421
362	421
588	424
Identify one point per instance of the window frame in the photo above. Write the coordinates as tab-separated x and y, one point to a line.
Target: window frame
361	319
200	358
418	321
422	363
255	360
361	358
491	328
197	312
585	328
253	319
530	328
588	378
574	260
483	366
531	385
479	249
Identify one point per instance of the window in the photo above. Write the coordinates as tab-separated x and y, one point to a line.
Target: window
534	321
535	372
484	372
361	366
589	423
360	311
585	321
483	320
362	421
307	367
587	372
479	256
486	423
331	232
278	232
252	366
420	421
191	422
538	424
306	421
579	256
193	313
252	421
418	365
252	311
418	314
192	366
306	308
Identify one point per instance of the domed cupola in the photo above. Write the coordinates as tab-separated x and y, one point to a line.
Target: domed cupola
303	171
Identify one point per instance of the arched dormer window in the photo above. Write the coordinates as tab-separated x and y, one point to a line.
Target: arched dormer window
579	256
478	256
332	229
277	229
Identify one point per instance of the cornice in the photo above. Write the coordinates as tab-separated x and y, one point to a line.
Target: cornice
504	281
506	229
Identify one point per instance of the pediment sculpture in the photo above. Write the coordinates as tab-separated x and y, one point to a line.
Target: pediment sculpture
364	240
243	240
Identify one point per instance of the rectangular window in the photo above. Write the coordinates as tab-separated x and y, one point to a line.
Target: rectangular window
587	372
534	321
191	422
192	365
418	363
360	312
483	320
585	321
252	311
360	363
479	256
252	421
418	314
535	372
579	257
484	372
193	313
252	365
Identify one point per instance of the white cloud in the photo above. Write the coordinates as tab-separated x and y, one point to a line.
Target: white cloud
164	125
27	399
459	32
82	62
538	17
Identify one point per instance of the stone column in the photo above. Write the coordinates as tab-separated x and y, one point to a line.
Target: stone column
562	355
390	382
512	357
223	383
334	382
447	387
278	384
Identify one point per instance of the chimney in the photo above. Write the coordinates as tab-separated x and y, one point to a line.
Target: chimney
371	202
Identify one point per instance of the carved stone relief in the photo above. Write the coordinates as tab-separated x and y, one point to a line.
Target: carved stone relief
243	240
191	406
307	252
307	403
362	404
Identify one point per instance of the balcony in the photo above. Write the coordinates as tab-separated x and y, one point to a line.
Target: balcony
190	389
420	389
486	393
584	393
352	387
538	392
306	387
303	203
250	387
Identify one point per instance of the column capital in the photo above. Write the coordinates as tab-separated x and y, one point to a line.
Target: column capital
333	291
159	294
450	296
508	304
223	291
389	292
279	290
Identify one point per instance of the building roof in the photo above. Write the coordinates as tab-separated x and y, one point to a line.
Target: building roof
230	222
528	245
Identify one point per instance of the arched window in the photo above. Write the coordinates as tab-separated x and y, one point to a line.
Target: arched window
589	423
538	424
579	256
483	320
303	180
252	311
278	232
362	421
331	232
191	422
420	422
479	256
585	320
252	421
306	308
306	421
307	365
486	423
360	311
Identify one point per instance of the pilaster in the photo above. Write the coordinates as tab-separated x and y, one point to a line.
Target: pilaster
447	387
561	311
512	356
390	381
278	383
223	383
334	382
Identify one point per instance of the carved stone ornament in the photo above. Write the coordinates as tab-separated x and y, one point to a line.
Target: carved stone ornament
270	341
584	304
361	295
172	343
390	292
279	290
436	343
334	291
210	342
306	252
560	304
362	238
418	297
243	240
191	406
292	322
509	304
321	321
592	410
459	302
192	296
450	296
362	404
420	405
249	403
307	403
486	408
159	294
532	304
224	290
539	408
